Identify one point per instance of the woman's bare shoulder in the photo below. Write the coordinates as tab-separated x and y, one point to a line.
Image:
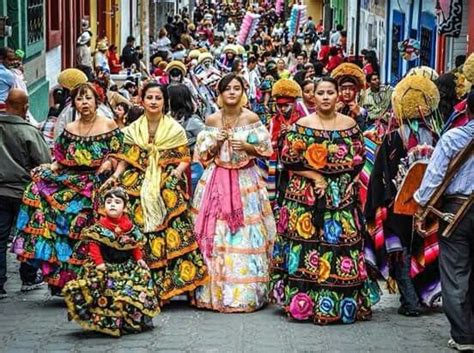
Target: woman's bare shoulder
108	123
213	119
250	117
307	121
345	122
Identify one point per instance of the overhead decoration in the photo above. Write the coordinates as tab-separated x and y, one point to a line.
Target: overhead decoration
298	18
279	7
409	49
249	27
450	17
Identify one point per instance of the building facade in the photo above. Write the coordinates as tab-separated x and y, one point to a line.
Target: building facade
409	19
27	19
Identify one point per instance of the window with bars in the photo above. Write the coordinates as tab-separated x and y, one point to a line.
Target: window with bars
35	21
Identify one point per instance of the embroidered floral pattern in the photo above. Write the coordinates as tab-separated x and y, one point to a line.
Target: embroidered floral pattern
240	263
319	272
117	301
58	206
171	251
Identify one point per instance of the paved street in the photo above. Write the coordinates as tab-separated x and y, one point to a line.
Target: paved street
35	322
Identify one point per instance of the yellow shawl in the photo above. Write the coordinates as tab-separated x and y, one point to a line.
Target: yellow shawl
169	134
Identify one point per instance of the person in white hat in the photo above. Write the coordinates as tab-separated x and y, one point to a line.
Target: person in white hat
100	57
84	55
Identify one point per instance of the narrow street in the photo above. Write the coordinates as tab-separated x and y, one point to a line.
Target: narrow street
35	322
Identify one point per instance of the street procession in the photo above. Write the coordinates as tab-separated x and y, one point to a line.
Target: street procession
236	176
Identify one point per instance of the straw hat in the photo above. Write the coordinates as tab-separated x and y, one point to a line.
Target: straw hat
71	78
424	71
176	64
102	46
286	88
205	56
468	68
349	70
194	54
414	97
230	48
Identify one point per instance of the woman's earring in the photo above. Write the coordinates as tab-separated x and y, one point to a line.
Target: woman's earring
243	100
220	103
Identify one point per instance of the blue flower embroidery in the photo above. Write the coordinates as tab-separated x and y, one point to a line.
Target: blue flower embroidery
63	251
256	237
22	219
326	305
294	259
42	250
234	239
332	231
62	225
254	266
74	207
348	310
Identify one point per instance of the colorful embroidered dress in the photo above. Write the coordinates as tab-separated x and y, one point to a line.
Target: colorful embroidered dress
122	298
160	204
319	270
265	113
56	207
274	167
237	242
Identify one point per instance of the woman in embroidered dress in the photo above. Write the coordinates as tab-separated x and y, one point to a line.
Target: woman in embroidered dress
152	169
265	108
114	293
59	202
234	223
319	270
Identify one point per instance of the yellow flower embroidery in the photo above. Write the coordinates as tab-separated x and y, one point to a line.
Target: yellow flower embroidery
82	157
170	198
114	144
172	238
139	215
305	227
134	153
157	246
129	178
236	293
228	261
324	270
187	271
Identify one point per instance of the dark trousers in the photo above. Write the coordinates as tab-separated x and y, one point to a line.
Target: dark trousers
88	71
456	261
408	296
8	211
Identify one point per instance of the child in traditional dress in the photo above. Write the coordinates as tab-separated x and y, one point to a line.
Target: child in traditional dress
114	293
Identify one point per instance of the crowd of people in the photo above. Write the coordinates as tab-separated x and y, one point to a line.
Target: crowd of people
234	175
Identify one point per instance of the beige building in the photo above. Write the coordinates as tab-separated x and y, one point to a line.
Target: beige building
315	9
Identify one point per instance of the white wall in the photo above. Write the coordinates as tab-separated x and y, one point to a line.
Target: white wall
372	26
53	65
124	22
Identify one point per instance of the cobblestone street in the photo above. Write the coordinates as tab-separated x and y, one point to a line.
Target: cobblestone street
35	322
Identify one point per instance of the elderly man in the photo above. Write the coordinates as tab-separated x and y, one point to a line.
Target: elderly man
22	148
